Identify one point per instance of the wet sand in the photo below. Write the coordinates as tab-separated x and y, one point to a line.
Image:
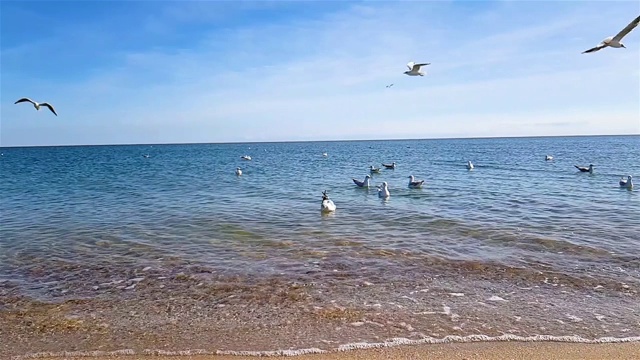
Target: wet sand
455	351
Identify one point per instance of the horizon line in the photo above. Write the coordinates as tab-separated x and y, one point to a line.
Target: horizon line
318	141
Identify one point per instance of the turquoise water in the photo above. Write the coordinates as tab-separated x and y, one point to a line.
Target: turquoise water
76	218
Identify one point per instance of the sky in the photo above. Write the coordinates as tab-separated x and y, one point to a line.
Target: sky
134	72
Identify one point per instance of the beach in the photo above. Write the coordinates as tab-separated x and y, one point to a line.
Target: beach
466	351
103	249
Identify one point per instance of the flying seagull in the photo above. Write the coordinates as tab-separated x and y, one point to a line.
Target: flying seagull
36	105
614	41
414	69
388	86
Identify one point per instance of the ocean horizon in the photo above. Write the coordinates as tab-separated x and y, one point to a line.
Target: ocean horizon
131	245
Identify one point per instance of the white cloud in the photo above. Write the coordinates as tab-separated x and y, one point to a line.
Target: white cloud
324	79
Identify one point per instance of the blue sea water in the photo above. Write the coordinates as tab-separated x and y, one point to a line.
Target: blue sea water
71	217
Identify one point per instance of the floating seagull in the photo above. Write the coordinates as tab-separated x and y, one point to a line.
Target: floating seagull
585	169
37	105
614	41
364	183
325	154
414	69
327	204
238	171
246	157
413	184
145	155
548	157
383	191
374	170
392	166
469	165
626	183
388	86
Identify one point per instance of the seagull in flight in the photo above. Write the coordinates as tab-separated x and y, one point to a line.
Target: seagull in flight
38	105
388	86
614	41
414	69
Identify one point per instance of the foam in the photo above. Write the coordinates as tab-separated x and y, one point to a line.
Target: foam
346	347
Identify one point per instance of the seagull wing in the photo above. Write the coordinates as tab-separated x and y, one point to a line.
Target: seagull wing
50	108
594	49
410	65
416	67
627	29
25	99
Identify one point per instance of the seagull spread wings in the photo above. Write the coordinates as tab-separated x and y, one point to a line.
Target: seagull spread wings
627	29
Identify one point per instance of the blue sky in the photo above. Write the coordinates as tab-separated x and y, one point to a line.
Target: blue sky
225	71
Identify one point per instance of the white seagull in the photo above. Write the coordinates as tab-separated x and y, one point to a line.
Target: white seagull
246	157
383	191
548	157
327	204
364	183
38	105
414	69
469	165
374	170
626	183
614	41
238	172
413	184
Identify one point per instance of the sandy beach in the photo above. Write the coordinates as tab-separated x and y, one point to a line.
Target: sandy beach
461	351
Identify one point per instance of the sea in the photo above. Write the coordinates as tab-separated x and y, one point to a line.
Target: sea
163	249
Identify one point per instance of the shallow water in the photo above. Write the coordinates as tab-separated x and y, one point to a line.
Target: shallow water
104	225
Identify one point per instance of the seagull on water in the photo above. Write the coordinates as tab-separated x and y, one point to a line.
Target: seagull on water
614	41
413	184
364	183
327	205
38	105
374	170
414	69
238	171
548	157
469	165
246	157
390	166
383	190
585	169
626	183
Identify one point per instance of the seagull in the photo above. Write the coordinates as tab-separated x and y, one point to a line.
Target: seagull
392	166
614	41
145	155
383	191
246	157
414	69
548	157
388	86
585	169
238	171
413	184
37	105
327	204
626	183
325	154
469	165
374	170
364	183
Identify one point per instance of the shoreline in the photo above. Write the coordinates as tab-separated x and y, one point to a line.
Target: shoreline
487	350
